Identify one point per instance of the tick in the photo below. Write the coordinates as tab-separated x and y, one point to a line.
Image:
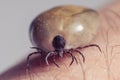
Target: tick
63	30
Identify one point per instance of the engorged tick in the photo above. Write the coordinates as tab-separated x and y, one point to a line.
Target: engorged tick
62	30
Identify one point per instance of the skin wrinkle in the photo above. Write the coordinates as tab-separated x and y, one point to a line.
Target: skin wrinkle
109	21
113	56
82	68
111	15
106	57
98	66
109	61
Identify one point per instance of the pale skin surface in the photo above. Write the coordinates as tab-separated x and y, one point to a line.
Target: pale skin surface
98	66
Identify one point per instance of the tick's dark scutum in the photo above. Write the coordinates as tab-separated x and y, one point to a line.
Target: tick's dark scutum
58	42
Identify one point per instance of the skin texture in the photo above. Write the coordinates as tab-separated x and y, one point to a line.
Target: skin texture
98	66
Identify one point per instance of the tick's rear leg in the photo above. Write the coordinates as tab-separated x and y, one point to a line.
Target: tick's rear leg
91	45
87	46
73	57
76	50
28	64
76	59
37	48
28	58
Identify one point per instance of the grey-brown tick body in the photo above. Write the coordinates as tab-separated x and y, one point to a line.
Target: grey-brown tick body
63	30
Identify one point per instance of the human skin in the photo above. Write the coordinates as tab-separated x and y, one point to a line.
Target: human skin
97	66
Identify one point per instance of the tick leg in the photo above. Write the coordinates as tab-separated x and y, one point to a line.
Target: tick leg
75	59
69	52
91	45
72	58
54	61
80	54
48	55
28	58
36	48
28	64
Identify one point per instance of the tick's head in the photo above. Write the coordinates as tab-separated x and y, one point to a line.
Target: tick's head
58	42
